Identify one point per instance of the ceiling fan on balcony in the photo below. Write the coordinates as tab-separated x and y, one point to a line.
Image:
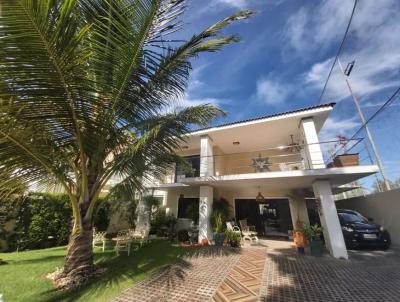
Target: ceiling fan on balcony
292	146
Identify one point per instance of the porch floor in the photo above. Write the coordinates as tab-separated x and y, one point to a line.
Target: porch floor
273	271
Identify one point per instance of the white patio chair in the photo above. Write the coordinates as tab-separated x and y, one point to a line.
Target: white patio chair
248	231
123	245
99	238
140	235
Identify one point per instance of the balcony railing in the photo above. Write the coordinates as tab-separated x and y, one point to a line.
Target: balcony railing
280	158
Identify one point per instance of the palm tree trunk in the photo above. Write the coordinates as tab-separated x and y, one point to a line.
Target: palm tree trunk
78	265
79	260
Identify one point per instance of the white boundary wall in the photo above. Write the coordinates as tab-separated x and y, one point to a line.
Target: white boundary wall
383	207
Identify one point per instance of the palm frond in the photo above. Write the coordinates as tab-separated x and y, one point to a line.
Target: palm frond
82	85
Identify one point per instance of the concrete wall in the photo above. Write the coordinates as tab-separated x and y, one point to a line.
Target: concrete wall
383	207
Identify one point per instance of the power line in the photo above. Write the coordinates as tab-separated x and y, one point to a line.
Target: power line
339	51
384	105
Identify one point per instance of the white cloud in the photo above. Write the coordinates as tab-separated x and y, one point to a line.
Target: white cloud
187	101
372	42
311	29
195	81
235	3
335	126
271	92
316	27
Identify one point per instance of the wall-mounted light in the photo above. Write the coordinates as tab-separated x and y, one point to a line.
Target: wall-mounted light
236	143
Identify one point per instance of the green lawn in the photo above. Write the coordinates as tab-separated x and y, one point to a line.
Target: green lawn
22	278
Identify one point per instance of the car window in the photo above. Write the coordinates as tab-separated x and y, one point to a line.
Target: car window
349	218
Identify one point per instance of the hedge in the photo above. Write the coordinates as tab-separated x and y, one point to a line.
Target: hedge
41	220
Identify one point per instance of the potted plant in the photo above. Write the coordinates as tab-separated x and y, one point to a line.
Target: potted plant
232	238
299	237
346	159
314	235
218	228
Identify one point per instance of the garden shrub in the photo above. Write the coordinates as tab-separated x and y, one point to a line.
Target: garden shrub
221	211
41	220
162	224
50	217
102	215
183	235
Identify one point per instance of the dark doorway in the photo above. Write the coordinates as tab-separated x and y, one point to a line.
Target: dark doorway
271	218
188	208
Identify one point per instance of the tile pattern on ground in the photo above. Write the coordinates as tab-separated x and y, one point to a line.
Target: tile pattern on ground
244	281
194	279
290	277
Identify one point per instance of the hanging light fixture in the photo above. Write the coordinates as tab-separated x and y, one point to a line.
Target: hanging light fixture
259	198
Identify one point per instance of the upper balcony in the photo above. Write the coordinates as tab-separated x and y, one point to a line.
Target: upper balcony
282	145
291	157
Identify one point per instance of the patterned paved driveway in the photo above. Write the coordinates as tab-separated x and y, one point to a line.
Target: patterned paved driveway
195	279
367	276
274	273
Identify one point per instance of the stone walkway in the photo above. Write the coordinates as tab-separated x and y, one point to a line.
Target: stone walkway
273	273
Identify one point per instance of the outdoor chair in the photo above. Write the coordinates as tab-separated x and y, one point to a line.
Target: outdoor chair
99	238
123	241
123	245
140	235
249	231
245	227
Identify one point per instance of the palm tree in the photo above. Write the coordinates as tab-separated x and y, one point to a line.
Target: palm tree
86	88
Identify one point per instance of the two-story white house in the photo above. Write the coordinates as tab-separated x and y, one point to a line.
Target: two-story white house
278	158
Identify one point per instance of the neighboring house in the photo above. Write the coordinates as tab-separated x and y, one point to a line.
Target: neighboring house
277	156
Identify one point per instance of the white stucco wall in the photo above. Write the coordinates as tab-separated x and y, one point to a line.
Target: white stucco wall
383	207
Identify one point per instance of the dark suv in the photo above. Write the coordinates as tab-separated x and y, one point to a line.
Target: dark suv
358	231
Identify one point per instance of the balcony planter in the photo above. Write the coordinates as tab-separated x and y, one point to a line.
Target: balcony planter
316	247
346	160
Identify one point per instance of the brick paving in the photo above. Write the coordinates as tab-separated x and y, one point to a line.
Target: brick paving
244	281
194	279
273	273
291	277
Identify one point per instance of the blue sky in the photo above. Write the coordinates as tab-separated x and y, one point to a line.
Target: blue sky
285	55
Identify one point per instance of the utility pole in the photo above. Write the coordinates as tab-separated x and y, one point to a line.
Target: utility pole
364	122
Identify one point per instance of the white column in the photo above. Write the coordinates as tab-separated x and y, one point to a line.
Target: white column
312	146
329	219
206	156
298	210
205	208
143	215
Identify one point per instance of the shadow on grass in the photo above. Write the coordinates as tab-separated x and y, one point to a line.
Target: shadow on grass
139	265
36	260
